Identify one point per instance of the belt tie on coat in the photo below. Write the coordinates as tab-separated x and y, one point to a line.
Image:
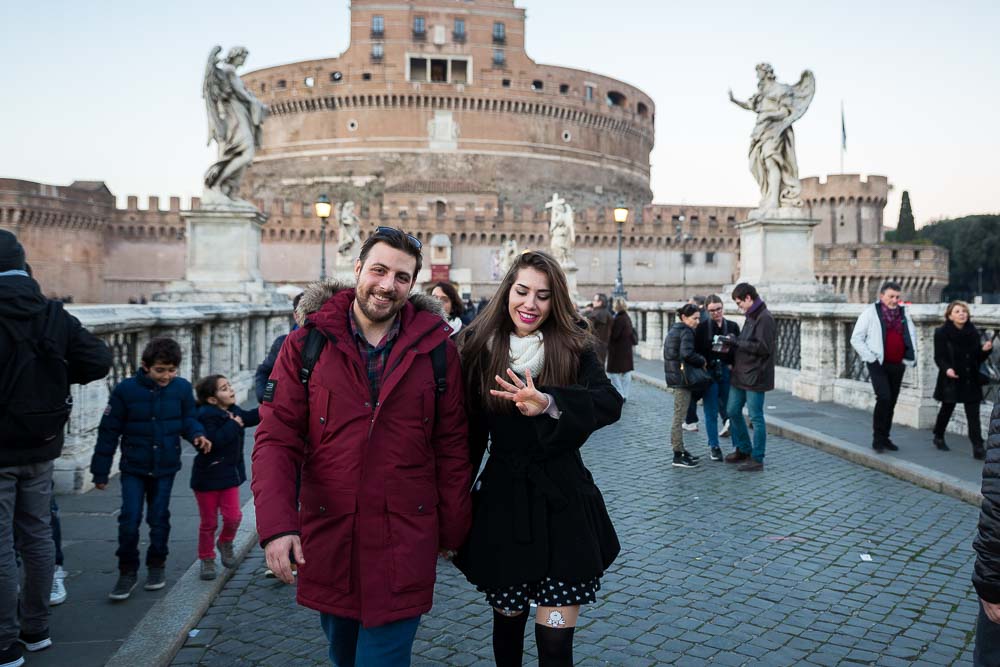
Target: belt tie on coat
523	472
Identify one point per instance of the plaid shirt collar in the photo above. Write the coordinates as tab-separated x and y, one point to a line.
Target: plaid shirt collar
374	356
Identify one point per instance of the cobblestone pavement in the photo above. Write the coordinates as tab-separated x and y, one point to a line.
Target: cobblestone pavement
717	567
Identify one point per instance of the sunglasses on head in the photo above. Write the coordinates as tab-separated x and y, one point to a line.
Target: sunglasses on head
395	233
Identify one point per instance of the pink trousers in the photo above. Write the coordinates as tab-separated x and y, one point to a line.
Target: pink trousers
210	505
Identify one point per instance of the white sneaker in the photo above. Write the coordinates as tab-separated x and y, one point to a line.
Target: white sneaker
690	427
58	594
725	428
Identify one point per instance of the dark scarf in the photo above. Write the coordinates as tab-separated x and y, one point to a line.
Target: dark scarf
893	318
758	303
967	336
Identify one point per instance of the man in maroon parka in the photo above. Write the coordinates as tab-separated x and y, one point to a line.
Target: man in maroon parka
383	457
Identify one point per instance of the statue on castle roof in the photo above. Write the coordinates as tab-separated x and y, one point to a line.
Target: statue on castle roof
235	120
349	236
772	143
562	230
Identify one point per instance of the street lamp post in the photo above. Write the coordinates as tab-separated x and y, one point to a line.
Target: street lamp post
621	215
323	210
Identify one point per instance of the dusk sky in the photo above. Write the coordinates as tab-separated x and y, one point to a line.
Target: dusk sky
112	90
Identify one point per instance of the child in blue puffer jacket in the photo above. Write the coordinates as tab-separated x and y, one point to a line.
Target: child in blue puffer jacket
217	474
148	414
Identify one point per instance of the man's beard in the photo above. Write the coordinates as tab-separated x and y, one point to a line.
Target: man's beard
395	305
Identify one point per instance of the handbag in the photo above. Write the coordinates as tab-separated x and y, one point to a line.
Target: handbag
695	378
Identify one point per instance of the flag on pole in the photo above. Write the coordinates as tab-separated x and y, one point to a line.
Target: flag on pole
843	129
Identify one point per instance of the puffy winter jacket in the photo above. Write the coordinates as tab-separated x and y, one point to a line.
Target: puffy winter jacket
223	466
679	348
148	420
986	574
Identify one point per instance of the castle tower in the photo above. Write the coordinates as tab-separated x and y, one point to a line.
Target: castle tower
848	206
444	90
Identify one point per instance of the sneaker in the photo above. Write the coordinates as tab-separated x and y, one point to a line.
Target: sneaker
269	573
124	587
690	427
207	569
684	460
35	641
716	454
12	656
58	594
156	579
941	444
724	433
751	466
736	456
226	554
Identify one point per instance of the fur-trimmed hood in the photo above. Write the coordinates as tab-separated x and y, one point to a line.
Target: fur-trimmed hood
318	293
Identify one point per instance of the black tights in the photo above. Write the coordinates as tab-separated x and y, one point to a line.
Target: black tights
555	645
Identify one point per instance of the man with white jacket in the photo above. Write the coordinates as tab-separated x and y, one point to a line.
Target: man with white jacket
885	339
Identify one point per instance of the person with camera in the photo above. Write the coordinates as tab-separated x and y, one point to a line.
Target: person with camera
709	344
685	372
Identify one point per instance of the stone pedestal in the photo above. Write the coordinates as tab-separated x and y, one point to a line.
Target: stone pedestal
223	258
570	269
776	257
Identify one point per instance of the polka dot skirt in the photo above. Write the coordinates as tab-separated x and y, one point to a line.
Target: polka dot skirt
547	593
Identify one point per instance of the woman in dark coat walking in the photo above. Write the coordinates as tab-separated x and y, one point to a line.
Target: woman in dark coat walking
958	351
623	338
540	529
678	352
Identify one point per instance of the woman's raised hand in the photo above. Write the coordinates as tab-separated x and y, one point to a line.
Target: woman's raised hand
528	400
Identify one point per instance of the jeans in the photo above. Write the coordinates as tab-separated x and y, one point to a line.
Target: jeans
25	494
886	380
987	648
210	505
682	399
155	491
622	383
352	645
971	418
754	400
714	406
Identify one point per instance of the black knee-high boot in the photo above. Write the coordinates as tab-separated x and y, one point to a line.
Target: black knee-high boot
555	646
508	638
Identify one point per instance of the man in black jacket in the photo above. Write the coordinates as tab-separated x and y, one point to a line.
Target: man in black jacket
753	376
34	333
264	370
720	362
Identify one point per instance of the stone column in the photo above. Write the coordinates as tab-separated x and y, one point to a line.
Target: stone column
818	356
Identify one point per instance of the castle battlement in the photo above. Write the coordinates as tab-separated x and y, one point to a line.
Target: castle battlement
846	187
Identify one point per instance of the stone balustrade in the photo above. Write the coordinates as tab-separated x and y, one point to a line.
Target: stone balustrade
815	360
230	339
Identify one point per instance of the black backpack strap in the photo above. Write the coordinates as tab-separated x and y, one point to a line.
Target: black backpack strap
439	362
311	351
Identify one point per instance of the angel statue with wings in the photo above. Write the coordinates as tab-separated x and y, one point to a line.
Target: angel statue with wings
235	118
772	144
562	230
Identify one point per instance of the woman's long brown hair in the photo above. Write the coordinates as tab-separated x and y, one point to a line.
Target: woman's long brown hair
485	344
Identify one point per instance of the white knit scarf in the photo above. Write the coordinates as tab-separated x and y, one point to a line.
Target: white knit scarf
527	353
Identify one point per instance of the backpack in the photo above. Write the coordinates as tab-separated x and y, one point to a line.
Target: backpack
316	340
34	386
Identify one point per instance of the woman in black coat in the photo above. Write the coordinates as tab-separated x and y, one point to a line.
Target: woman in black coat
540	529
958	352
623	338
678	351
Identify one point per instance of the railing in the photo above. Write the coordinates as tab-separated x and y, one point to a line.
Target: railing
815	360
231	339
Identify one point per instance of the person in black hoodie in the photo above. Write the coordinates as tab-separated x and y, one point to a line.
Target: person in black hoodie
958	351
216	475
263	373
56	340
